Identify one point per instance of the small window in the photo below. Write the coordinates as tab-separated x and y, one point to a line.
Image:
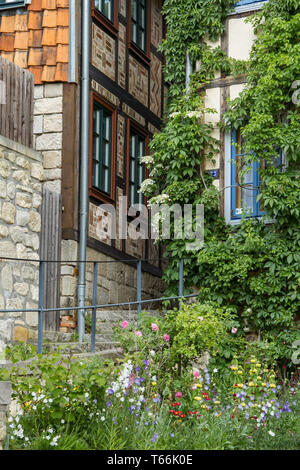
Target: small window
106	7
245	180
102	149
12	3
139	23
136	168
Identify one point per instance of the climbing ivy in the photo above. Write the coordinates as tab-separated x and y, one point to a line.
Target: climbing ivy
253	268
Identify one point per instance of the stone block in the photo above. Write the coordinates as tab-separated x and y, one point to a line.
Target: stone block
8	213
21	333
34	221
3	190
48	105
53	123
36	171
23	200
5	393
52	90
52	159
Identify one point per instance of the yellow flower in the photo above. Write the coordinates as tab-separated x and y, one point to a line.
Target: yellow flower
179	420
252	361
197	398
257	365
251	384
217	402
258	377
243	404
153	383
199	385
272	385
263	384
254	371
240	372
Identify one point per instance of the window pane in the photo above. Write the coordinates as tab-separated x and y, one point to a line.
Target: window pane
102	145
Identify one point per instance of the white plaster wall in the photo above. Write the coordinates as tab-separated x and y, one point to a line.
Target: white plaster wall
240	38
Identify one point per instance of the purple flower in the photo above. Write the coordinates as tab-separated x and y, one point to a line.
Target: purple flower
108	403
154	438
172	434
110	391
146	363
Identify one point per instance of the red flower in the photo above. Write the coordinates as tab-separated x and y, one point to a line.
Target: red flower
182	416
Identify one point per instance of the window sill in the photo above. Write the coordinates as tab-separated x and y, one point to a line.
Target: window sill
112	28
101	197
137	52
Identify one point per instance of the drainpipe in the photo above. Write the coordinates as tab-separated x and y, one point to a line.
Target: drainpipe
188	72
84	164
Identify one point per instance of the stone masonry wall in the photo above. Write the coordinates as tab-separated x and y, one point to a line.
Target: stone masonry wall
21	175
47	130
116	283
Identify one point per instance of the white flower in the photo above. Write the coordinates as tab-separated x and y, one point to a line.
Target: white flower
197	114
122	399
152	353
102	418
146	185
147	159
176	113
271	433
62	421
215	370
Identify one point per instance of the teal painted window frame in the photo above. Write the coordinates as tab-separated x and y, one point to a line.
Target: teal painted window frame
100	6
139	23
102	148
137	148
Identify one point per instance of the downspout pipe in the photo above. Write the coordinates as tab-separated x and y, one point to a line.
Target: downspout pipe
188	73
84	163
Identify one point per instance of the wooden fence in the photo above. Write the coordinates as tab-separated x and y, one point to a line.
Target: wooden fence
50	251
16	103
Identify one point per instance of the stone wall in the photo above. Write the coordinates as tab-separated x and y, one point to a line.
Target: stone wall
116	283
5	401
48	130
21	175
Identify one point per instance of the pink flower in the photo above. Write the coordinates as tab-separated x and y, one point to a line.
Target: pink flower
166	338
139	333
178	394
154	327
125	324
234	330
196	374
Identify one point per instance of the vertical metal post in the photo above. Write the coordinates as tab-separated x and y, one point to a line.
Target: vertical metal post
180	293
139	285
41	306
94	311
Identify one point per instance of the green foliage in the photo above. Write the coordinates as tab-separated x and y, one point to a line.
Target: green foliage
254	268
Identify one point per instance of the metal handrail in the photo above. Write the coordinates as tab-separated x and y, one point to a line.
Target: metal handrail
94	307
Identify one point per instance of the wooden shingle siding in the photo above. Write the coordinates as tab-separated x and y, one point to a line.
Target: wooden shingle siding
17	109
37	38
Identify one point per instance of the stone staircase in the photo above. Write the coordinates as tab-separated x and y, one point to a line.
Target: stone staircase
105	346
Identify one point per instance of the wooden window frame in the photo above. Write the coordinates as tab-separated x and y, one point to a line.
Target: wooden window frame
111	26
144	56
133	126
94	192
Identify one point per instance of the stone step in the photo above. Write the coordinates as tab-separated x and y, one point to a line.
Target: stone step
79	347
